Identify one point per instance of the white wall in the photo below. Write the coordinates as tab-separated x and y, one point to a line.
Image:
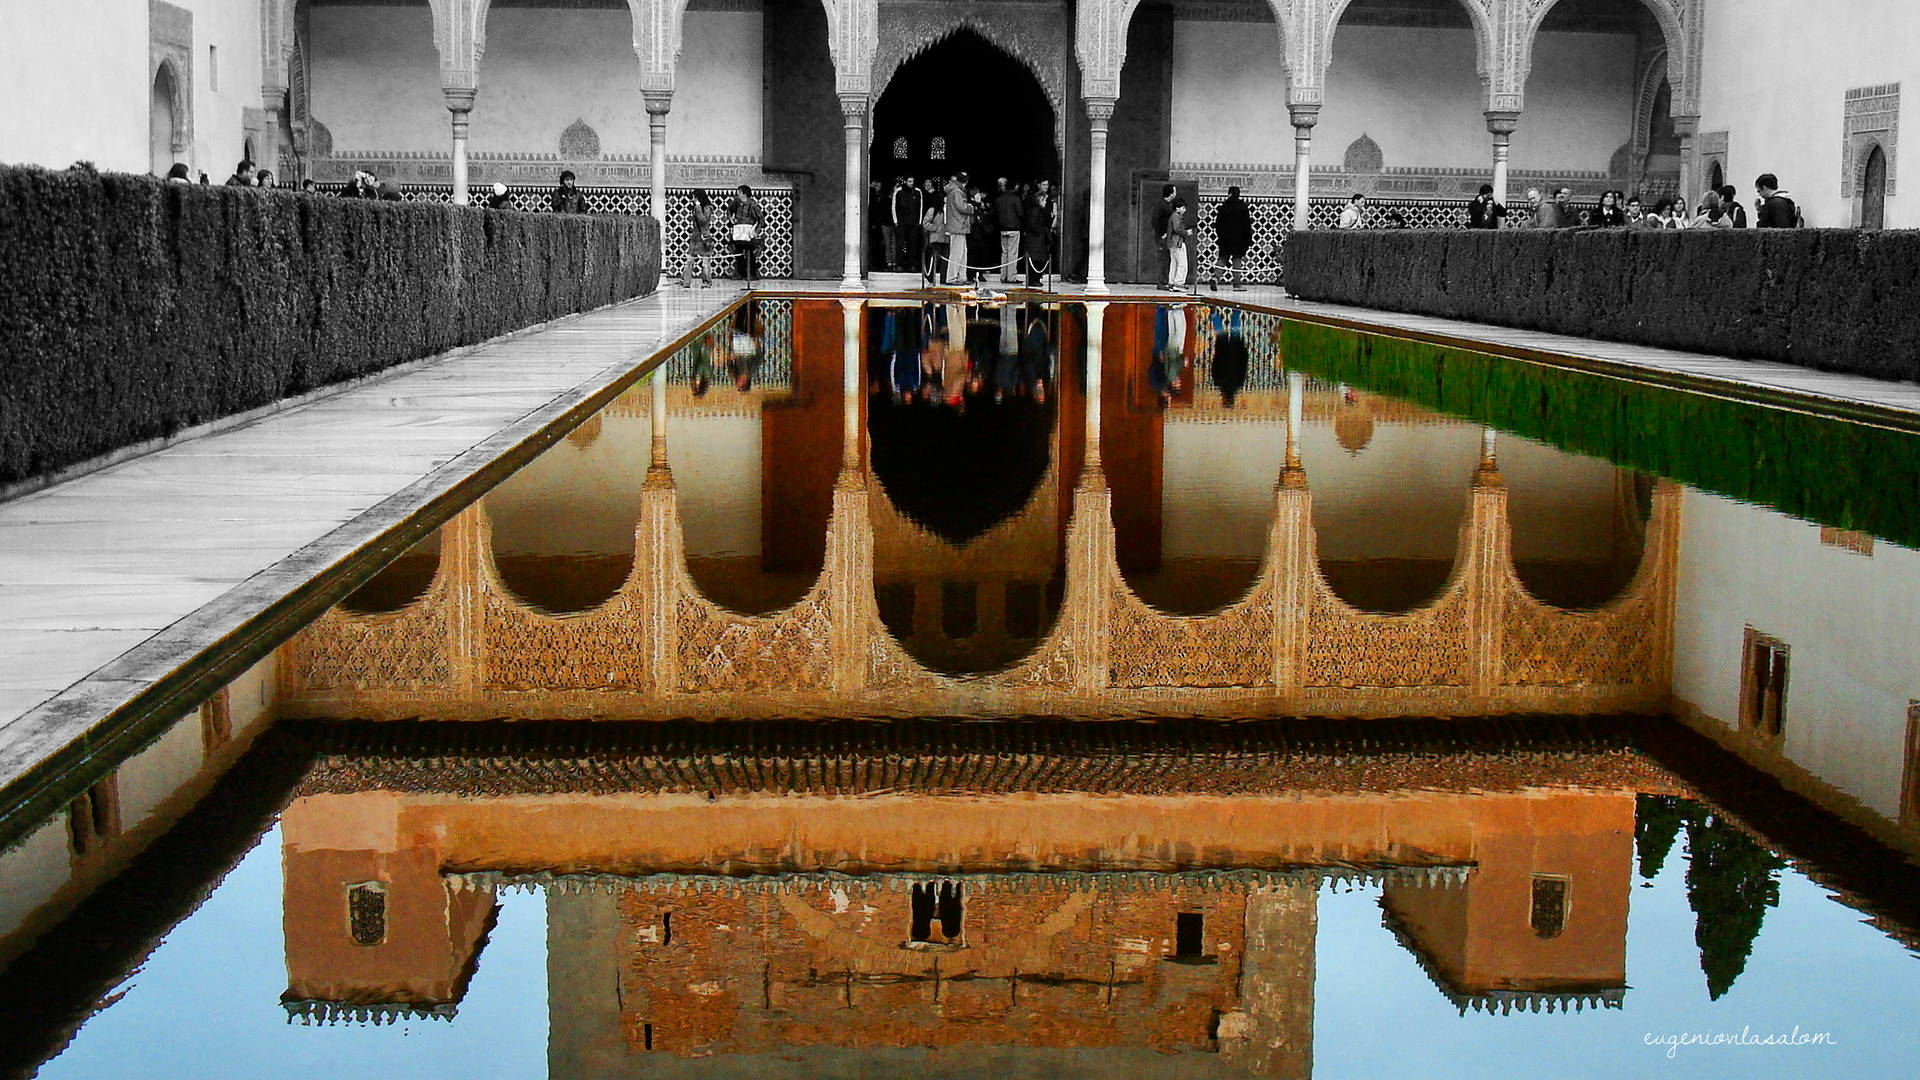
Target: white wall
1415	92
1851	623
233	27
1775	79
376	82
73	83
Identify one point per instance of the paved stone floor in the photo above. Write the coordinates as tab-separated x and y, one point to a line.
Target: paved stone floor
110	580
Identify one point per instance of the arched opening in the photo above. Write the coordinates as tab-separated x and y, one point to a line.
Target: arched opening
1403	91
1197	545
563	524
1716	176
1595	87
1578	525
1873	190
162	120
967	525
400	583
1391	490
1004	129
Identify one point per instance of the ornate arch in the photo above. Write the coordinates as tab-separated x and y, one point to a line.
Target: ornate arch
181	136
1034	36
1478	14
1679	24
1100	45
170	48
1647	93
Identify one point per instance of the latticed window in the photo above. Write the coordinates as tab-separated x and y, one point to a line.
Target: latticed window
367	913
1549	906
938	151
900	148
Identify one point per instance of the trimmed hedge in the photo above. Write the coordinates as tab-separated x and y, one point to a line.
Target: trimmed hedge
1854	476
131	308
1835	299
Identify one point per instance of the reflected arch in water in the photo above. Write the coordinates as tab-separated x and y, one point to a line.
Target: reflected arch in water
562	526
1386	521
399	584
1577	526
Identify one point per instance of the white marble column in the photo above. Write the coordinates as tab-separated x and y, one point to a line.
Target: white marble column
657	392
659	103
1099	112
853	116
1296	409
1304	118
1501	126
1096	356
850	342
1687	127
459	105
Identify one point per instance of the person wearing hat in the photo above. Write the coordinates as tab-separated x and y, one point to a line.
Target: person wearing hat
1484	212
498	199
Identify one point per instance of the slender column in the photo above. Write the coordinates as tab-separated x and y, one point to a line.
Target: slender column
1501	126
853	116
459	104
657	391
1099	112
659	103
1686	127
850	339
1091	475
1304	118
1296	406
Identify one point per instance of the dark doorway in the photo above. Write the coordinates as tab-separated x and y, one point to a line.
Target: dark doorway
1716	177
1188	928
1873	191
964	104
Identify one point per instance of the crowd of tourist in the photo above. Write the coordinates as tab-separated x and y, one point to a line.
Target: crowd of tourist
1718	208
960	231
948	355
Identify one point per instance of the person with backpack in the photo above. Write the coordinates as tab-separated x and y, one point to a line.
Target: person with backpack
1774	209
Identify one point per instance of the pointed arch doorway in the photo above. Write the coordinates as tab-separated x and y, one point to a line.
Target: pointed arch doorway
964	104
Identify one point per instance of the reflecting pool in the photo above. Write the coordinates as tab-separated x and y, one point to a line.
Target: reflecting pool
1051	690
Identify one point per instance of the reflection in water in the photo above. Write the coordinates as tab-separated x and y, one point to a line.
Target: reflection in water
821	508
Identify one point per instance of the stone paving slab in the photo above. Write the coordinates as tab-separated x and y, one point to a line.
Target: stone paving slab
111	580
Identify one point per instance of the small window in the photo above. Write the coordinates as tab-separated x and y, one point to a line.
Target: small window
900	148
1763	684
1549	915
93	818
216	722
367	913
1189	935
937	901
213	68
959	609
1910	775
938	150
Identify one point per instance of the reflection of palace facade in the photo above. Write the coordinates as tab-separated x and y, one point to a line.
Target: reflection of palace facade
978	903
1289	644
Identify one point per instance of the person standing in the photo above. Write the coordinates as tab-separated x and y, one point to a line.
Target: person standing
1233	231
1774	209
958	223
1553	214
933	225
747	218
699	242
242	175
1354	213
1730	198
1611	215
1483	212
906	223
1160	215
1179	234
879	226
1036	233
566	199
1007	217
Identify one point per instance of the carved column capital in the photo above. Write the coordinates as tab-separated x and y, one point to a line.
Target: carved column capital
659	102
853	109
459	98
1502	123
1303	116
1100	109
1686	126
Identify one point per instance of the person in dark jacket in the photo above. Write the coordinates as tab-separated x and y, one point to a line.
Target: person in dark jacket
242	175
908	236
1036	233
566	199
1775	209
1009	217
1161	213
1730	198
1229	366
1483	212
1233	231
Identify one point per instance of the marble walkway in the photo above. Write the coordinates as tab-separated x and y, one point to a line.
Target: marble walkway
112	580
